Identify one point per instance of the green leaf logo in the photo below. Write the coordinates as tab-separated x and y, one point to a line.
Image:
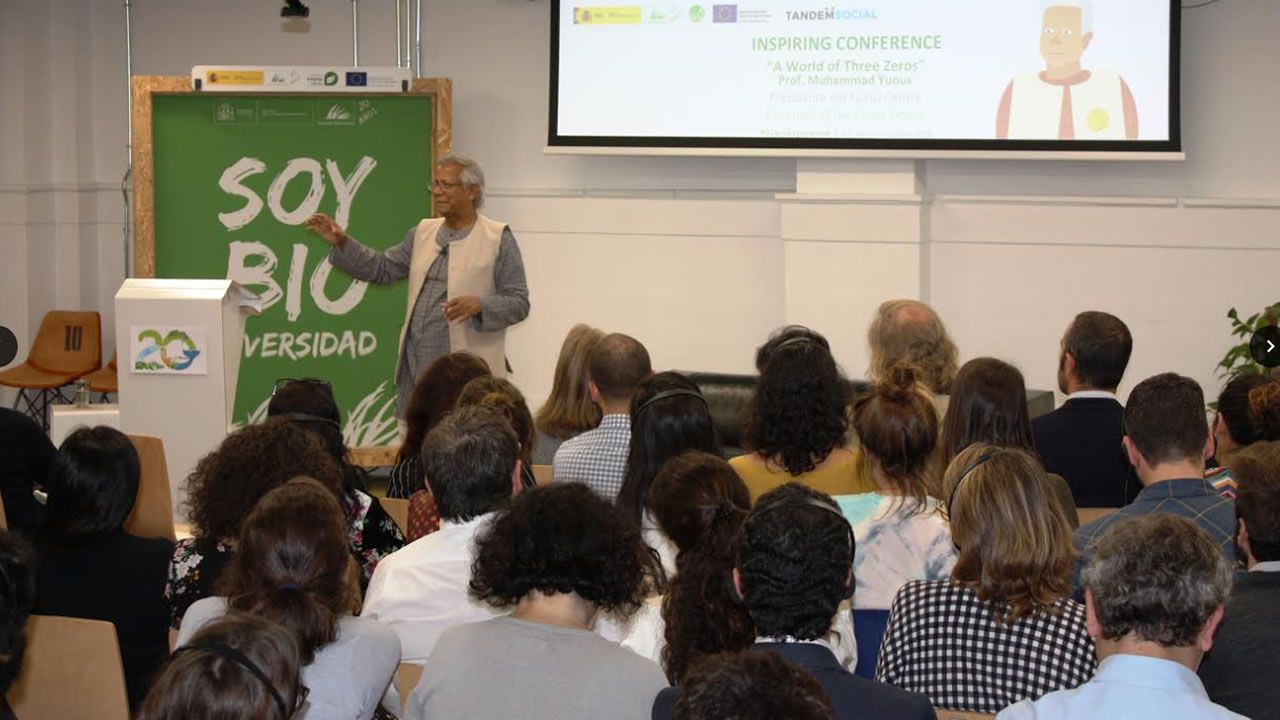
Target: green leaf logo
697	13
331	78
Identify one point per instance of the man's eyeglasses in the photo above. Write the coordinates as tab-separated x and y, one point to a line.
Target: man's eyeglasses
442	185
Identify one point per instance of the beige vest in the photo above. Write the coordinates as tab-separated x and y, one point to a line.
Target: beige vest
471	262
1097	108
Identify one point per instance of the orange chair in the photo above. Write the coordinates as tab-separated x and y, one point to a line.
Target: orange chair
152	514
105	381
72	669
67	347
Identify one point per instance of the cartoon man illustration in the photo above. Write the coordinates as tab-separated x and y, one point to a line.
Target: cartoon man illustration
1067	102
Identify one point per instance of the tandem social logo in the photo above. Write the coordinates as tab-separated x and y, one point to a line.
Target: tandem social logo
832	13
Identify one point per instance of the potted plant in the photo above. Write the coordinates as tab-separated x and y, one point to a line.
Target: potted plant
1238	360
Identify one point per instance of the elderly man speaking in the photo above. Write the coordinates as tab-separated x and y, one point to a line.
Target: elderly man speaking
466	277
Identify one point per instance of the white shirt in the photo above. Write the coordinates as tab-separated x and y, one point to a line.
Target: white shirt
1130	687
1094	394
347	677
1269	566
420	590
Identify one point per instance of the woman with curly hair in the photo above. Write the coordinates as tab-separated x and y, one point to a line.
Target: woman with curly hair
556	558
1003	627
569	411
292	567
310	403
669	416
798	424
224	488
1248	412
435	394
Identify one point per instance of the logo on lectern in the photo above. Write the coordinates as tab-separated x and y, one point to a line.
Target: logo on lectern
172	351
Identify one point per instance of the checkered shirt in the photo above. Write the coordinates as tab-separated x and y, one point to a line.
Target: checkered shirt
1191	498
945	643
597	458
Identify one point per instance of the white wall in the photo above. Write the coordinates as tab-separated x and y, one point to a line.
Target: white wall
689	255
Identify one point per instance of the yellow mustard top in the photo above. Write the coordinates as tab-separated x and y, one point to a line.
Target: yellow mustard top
837	477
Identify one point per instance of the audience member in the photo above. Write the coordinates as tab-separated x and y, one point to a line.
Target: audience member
910	331
240	666
1167	441
557	557
569	411
798	421
293	567
598	457
783	336
1154	588
472	463
17	593
751	685
1003	628
900	529
1081	440
699	502
497	394
25	455
792	574
224	487
989	405
1248	412
89	566
434	395
1240	672
668	416
371	531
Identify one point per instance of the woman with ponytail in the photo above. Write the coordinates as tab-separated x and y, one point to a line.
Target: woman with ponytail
294	568
900	532
1248	412
507	399
699	502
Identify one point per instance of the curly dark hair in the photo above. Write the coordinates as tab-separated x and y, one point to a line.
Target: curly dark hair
751	685
783	336
700	502
17	596
562	538
660	430
798	415
310	403
794	560
252	461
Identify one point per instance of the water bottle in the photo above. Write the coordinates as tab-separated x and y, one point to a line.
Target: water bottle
82	393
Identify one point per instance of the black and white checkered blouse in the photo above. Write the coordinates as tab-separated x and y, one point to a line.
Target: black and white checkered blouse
945	643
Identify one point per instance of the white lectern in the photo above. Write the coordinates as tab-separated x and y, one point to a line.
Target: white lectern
178	345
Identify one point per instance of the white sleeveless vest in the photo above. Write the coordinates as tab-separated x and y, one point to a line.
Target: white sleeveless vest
1097	108
471	262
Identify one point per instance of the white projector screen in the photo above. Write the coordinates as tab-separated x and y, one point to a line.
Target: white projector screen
976	75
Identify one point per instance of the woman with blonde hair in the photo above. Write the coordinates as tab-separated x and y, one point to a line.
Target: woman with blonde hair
569	410
1003	628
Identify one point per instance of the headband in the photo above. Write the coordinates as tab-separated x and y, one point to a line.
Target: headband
798	340
972	466
677	392
239	658
306	417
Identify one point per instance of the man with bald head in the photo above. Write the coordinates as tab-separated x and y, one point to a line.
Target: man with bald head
598	458
910	331
1065	101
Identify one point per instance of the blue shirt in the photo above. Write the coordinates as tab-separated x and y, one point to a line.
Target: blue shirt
1191	498
1130	687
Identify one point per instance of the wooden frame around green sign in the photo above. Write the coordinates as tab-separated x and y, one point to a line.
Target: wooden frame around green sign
147	86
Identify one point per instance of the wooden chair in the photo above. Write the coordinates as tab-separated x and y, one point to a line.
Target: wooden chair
67	347
71	669
960	715
542	474
398	509
152	514
1088	515
106	380
407	678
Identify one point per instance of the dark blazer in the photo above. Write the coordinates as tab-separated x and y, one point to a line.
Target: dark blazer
118	578
851	696
25	454
1083	442
1240	671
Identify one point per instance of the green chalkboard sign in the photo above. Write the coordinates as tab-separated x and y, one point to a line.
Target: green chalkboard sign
232	178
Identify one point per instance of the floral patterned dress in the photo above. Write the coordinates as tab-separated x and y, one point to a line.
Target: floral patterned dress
198	563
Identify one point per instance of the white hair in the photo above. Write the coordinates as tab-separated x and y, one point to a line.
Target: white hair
1085	7
470	173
